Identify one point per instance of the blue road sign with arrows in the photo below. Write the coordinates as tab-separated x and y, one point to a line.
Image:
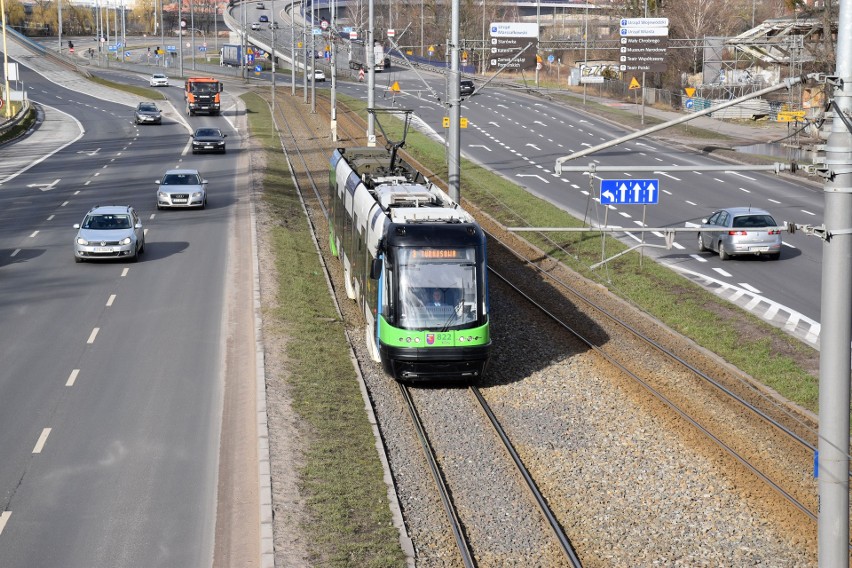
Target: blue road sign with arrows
630	191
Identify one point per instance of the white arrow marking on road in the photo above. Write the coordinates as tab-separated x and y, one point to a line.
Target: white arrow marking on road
90	153
495	124
539	122
44	186
533	146
532	176
480	146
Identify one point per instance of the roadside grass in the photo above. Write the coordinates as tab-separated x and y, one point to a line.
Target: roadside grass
759	349
341	474
143	92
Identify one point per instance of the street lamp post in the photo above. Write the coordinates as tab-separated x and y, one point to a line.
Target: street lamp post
7	107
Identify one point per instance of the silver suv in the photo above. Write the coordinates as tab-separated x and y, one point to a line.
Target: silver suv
109	231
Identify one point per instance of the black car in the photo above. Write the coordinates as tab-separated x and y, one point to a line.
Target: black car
208	140
466	87
147	113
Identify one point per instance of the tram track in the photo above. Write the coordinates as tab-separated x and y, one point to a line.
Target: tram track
774	417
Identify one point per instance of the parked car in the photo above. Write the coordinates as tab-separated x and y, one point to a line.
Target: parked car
749	231
260	6
147	113
159	80
109	231
466	87
181	188
208	140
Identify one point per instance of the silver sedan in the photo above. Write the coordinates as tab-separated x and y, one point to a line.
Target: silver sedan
181	188
741	231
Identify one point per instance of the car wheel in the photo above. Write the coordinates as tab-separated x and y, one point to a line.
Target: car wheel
141	248
723	254
701	247
774	256
77	259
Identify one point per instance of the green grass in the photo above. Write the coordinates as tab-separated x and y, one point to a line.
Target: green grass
22	127
765	352
341	475
142	92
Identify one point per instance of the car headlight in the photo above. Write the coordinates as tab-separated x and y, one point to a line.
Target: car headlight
196	194
82	241
125	241
162	194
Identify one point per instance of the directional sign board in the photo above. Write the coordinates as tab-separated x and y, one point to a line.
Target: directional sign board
644	42
630	191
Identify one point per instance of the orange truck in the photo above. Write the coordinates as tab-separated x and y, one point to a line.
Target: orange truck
202	94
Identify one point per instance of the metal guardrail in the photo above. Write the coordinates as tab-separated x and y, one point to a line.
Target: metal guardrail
8	125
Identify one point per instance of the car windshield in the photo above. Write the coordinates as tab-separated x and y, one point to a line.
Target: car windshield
148	108
181	179
107	222
158	76
208	132
437	288
754	221
203	88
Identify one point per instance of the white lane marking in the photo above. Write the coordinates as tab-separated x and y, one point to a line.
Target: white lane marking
111	300
678	246
719	180
787	245
774	201
96	174
124	272
771	312
698	258
813	333
78	191
34	234
744	190
4	518
741	175
41	440
88	181
723	272
64	203
691	202
51	217
105	166
72	378
806	212
749	287
93	335
668	175
623	214
15	252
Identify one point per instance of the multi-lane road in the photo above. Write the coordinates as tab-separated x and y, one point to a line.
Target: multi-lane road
112	382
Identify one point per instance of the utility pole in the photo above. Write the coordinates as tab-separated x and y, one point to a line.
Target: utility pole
836	315
313	60
371	76
454	135
293	58
333	39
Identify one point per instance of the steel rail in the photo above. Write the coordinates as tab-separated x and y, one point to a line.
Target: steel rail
661	397
545	509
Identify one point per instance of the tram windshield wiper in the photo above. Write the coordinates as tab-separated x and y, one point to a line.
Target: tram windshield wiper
457	311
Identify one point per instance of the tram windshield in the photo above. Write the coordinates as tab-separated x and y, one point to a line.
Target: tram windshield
437	287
